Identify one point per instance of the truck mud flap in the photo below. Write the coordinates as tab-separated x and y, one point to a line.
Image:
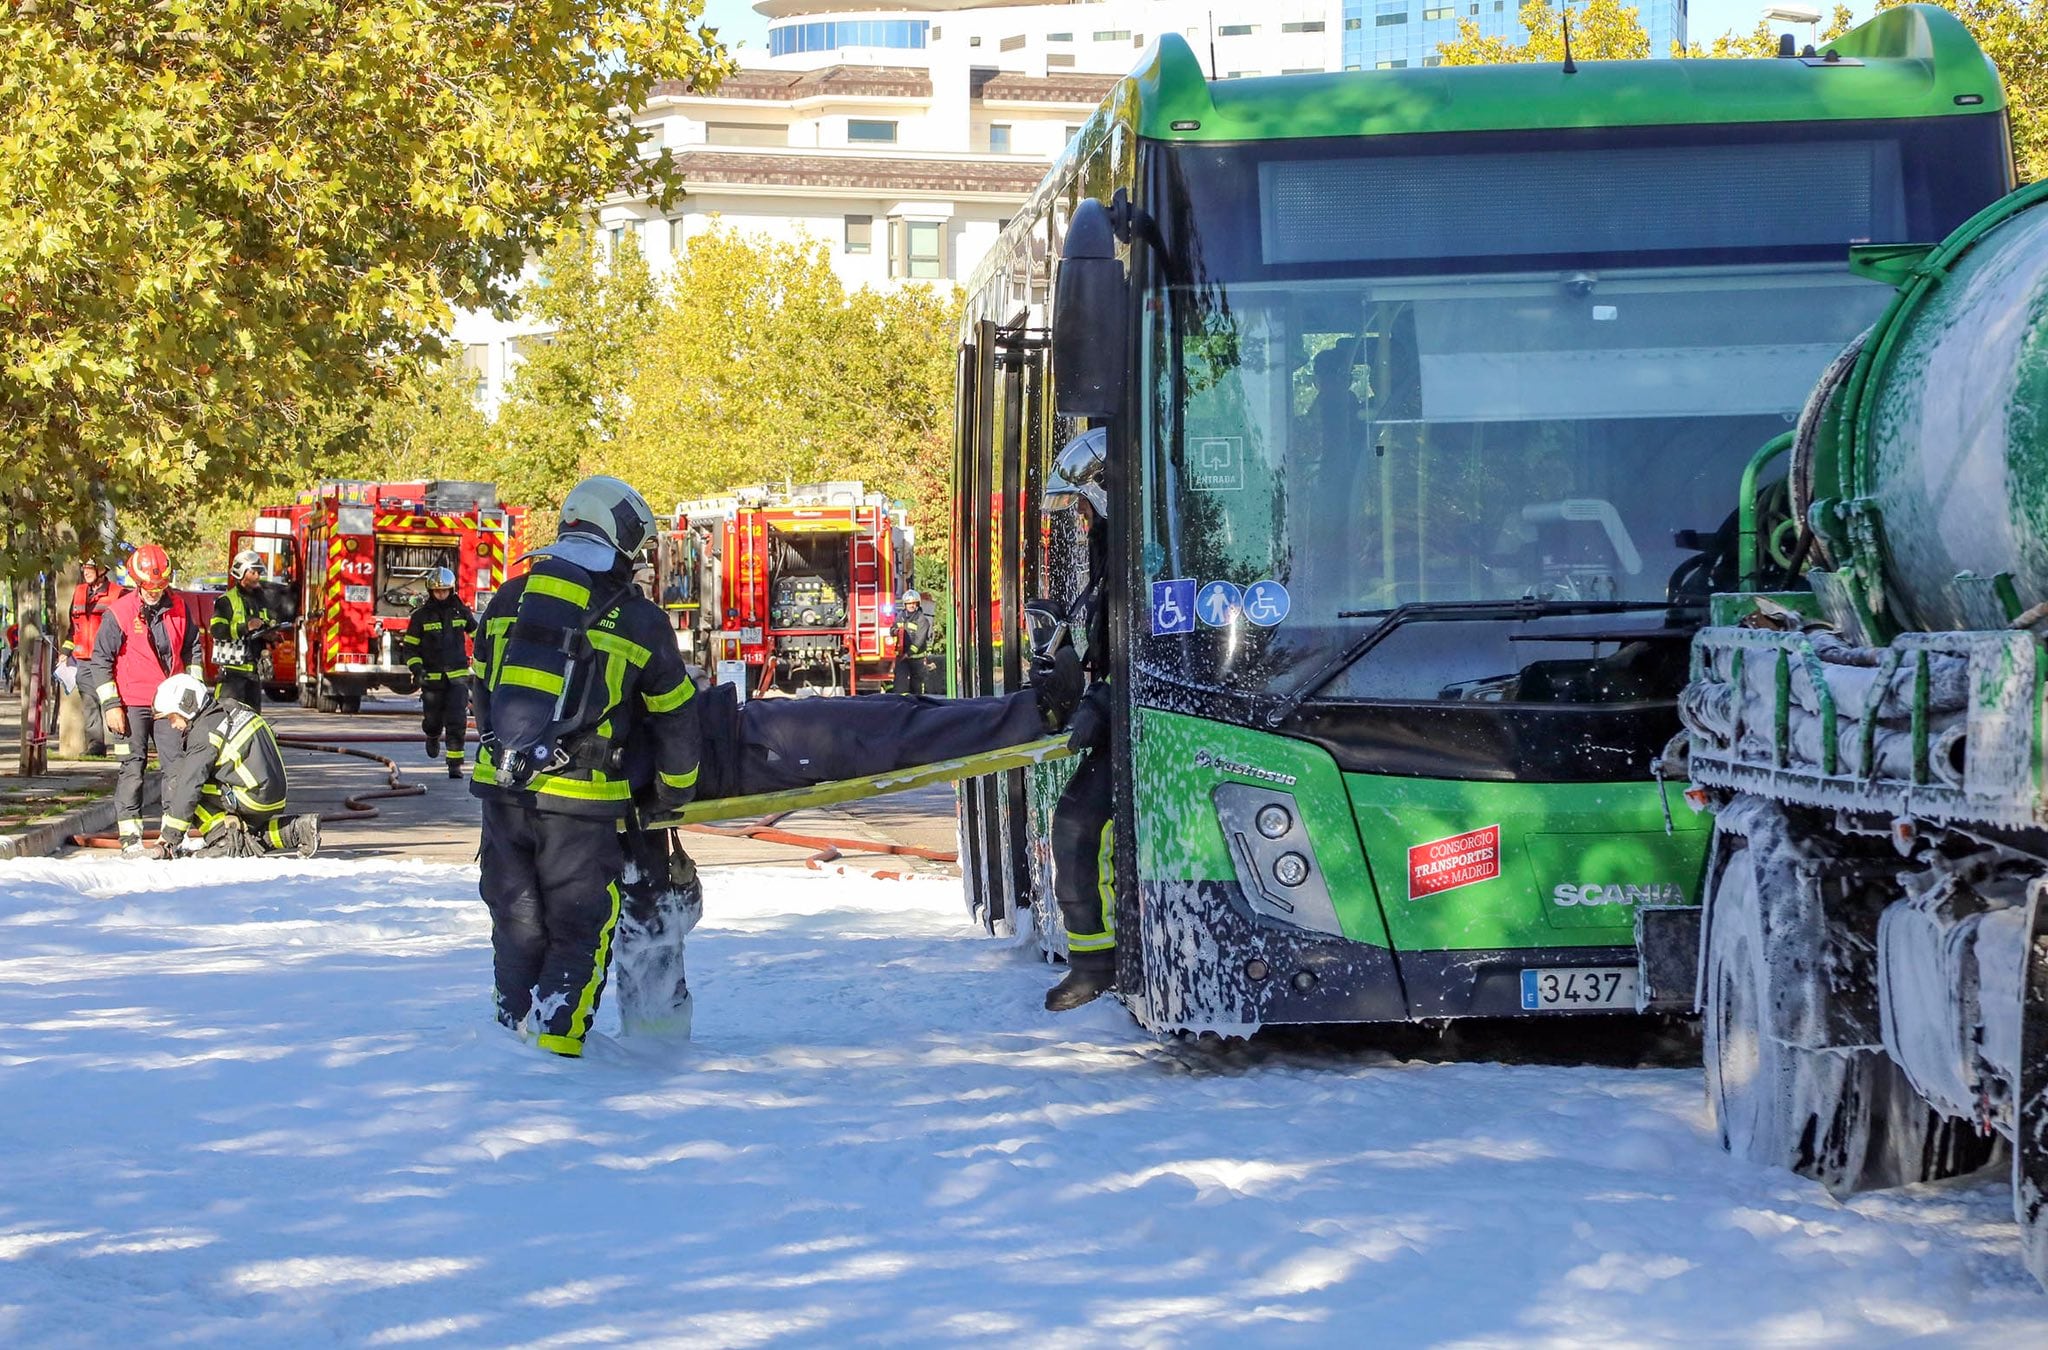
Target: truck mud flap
2030	1107
1667	958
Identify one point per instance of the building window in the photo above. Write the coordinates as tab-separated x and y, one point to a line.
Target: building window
1302	70
999	138
1011	44
1059	37
746	133
927	250
1242	75
1390	20
1112	34
476	362
1237	30
1306	26
678	236
860	234
1496	6
1072	129
1059	59
1439	12
793	38
1351	25
860	132
1391	65
974	41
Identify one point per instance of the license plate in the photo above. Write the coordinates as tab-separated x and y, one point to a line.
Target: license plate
1562	987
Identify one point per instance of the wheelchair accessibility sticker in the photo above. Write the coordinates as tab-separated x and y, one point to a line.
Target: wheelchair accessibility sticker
1266	603
1173	606
1218	604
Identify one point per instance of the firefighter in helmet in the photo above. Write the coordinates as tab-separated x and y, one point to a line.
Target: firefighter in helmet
228	782
1083	832
437	653
582	703
146	637
913	639
242	620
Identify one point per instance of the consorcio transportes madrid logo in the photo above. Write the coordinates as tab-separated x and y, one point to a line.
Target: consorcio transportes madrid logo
1446	864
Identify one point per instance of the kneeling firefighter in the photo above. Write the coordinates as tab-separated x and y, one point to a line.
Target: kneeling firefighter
1083	832
228	780
582	703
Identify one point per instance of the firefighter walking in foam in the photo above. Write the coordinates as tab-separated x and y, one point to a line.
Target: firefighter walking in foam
241	622
581	699
146	637
437	653
228	782
1083	832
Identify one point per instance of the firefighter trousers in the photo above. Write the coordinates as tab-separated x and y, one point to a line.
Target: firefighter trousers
1084	875
131	753
444	713
241	686
552	884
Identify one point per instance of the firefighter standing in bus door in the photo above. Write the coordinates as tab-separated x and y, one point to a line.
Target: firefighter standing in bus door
1084	875
913	633
147	637
436	647
242	622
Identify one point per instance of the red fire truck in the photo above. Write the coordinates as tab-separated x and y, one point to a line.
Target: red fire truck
352	560
798	584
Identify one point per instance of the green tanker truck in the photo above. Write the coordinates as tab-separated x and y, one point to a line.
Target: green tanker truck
1872	957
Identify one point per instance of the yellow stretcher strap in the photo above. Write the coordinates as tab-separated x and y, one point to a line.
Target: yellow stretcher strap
1019	756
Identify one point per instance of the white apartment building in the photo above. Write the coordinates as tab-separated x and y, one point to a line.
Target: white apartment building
905	134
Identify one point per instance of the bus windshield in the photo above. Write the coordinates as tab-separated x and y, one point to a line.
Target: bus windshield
1370	426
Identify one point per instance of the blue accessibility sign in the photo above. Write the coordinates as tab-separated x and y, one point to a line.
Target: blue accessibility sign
1218	604
1266	603
1173	606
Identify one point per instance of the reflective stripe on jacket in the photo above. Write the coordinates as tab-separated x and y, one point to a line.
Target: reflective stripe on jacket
436	642
124	668
642	732
234	749
235	612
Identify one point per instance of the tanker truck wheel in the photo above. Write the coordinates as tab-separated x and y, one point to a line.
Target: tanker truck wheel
1847	1118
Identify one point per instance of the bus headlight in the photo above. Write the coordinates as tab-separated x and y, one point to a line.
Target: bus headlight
1274	860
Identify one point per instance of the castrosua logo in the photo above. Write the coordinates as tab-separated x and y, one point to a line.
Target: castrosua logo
1207	760
1659	893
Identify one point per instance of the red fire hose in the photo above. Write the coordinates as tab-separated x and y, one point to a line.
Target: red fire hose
829	847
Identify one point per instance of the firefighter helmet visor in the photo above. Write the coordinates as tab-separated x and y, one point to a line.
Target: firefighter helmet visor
441	579
247	561
150	567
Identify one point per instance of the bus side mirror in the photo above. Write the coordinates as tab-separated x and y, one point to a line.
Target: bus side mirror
1090	318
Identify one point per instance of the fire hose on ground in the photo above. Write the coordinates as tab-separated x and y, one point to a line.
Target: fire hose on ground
355	806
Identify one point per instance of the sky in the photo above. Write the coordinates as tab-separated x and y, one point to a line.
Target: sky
737	22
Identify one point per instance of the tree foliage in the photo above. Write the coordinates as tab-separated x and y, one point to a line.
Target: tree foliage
221	218
761	366
1601	30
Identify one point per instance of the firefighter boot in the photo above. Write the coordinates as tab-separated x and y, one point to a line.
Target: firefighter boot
433	747
303	834
455	769
1089	976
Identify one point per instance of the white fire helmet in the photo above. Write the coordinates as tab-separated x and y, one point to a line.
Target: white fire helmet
248	560
182	694
610	509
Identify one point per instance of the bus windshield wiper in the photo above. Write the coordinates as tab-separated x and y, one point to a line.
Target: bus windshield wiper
1435	611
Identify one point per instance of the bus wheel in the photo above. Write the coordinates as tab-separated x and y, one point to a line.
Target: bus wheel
1847	1118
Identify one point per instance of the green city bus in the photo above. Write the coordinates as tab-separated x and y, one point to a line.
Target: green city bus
1426	395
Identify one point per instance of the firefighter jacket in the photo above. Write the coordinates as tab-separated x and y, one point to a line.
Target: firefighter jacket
583	669
437	640
230	751
913	633
235	613
140	646
88	607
